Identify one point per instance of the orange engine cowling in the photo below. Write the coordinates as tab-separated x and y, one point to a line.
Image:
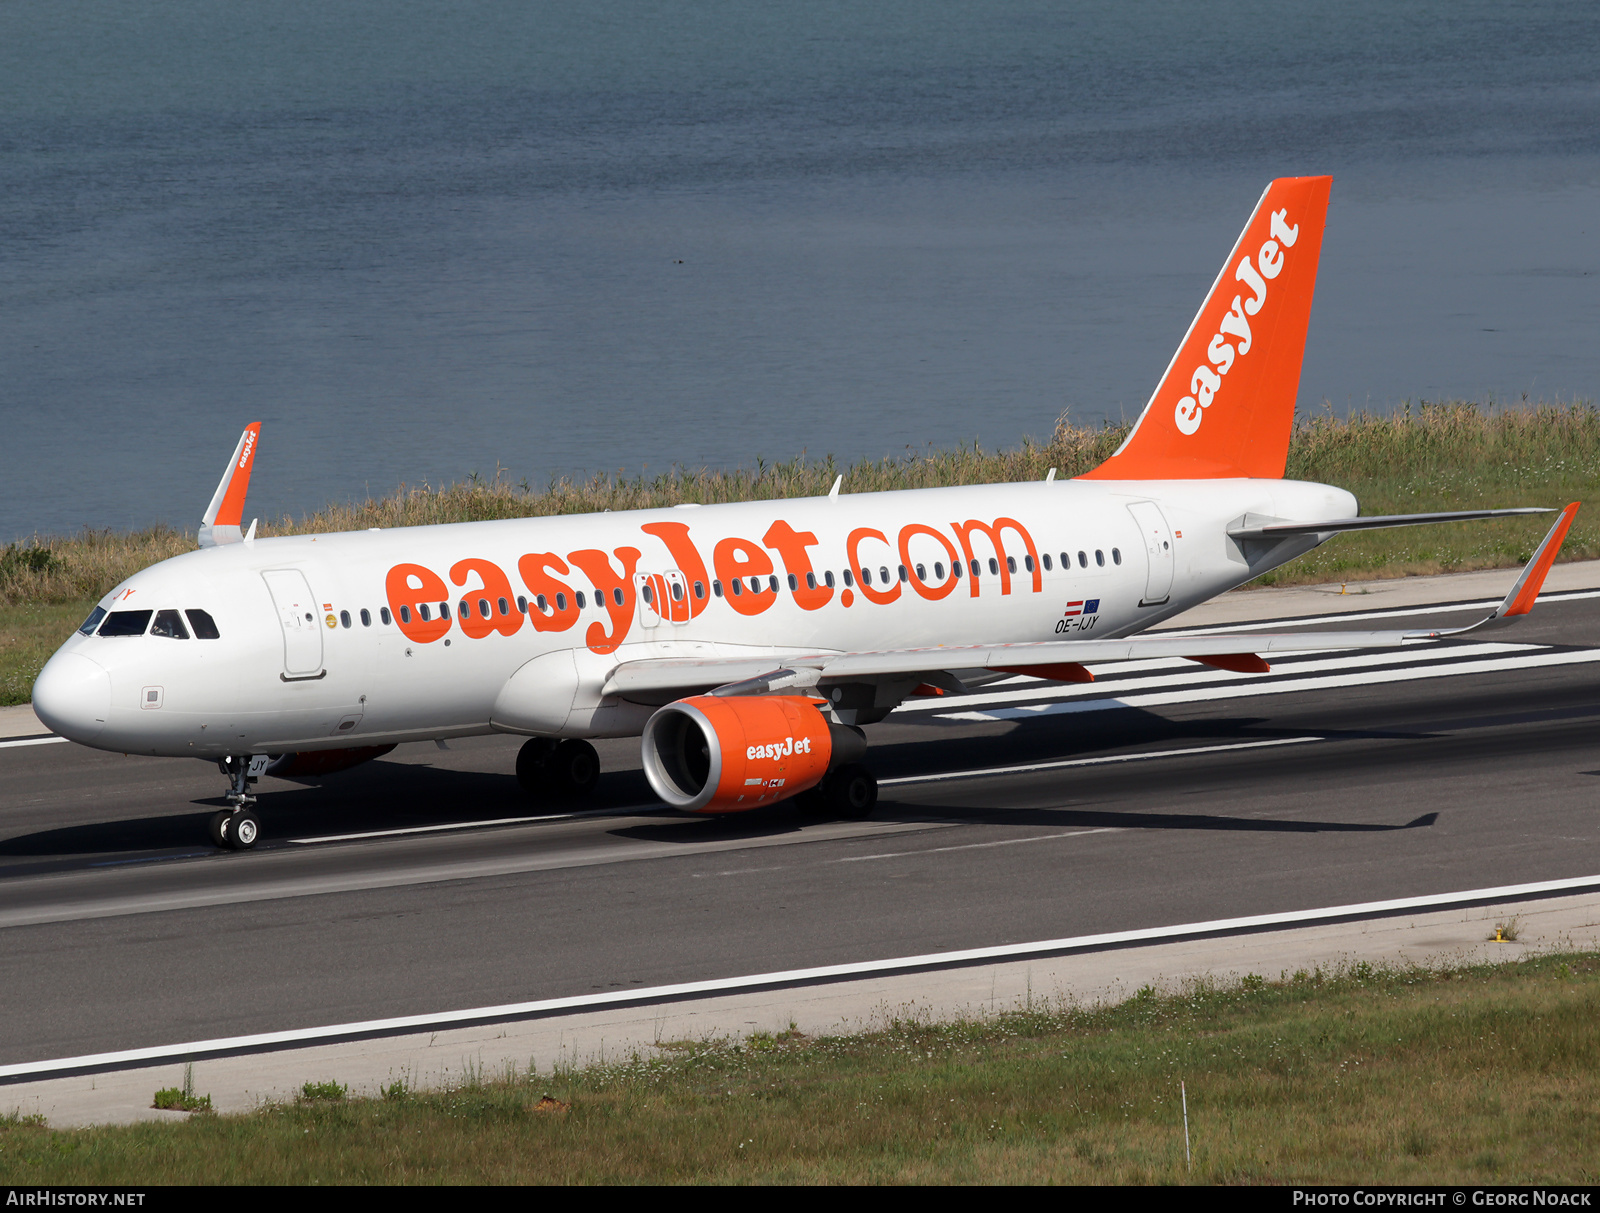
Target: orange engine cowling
711	754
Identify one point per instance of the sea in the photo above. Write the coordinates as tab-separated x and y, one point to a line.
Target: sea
425	241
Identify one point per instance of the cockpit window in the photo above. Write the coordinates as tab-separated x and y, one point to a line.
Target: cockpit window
125	623
205	628
91	623
170	625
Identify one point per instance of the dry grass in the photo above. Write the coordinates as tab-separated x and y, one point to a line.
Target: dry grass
1407	1076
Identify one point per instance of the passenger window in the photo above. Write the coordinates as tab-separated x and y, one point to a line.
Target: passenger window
422	610
344	618
463	609
677	592
444	610
1011	564
794	583
91	623
1047	565
616	594
1116	555
645	592
578	594
205	628
811	581
922	572
883	574
699	589
955	570
170	625
772	584
976	569
848	579
540	602
1027	563
827	578
716	588
383	614
366	618
483	608
903	574
1083	561
938	570
125	623
738	586
561	603
1100	558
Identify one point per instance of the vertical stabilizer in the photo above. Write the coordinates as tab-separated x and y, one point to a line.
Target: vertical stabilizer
226	511
1225	407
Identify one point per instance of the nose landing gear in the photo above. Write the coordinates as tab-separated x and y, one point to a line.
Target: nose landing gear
238	828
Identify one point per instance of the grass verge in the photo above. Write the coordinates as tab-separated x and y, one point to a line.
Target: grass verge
1435	457
1371	1075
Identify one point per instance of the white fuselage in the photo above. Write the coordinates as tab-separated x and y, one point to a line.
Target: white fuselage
275	681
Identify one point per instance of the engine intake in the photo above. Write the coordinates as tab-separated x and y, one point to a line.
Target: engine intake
711	754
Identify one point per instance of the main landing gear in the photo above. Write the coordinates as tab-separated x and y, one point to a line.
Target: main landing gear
850	792
238	828
551	770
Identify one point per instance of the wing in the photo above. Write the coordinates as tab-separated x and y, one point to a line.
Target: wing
951	667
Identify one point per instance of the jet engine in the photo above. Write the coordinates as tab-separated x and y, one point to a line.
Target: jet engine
713	754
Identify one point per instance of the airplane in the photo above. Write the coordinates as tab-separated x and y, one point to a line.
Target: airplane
747	645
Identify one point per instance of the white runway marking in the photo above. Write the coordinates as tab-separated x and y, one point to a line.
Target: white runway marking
1146	756
978	846
20	741
400	1024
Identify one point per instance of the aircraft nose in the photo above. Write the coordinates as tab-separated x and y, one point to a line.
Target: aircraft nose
72	697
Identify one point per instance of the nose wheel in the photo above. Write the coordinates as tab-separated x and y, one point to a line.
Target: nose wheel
238	828
235	831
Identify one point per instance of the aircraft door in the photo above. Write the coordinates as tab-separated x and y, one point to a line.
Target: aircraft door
677	596
297	615
647	589
1157	538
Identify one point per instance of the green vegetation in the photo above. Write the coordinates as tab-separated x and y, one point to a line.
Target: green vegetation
182	1099
326	1092
1435	457
1370	1075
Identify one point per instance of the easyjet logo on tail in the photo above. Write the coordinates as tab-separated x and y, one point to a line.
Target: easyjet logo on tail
1225	405
1220	353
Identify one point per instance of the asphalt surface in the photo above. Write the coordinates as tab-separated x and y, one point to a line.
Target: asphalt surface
1334	780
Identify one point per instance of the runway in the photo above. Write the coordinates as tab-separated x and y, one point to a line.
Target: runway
1162	793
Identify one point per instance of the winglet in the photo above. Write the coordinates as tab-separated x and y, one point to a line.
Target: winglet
1523	595
220	523
1521	598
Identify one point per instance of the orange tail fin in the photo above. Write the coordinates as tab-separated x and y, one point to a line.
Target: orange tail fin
1226	404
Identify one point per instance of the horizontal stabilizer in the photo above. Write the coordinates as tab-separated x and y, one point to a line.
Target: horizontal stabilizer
1334	526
